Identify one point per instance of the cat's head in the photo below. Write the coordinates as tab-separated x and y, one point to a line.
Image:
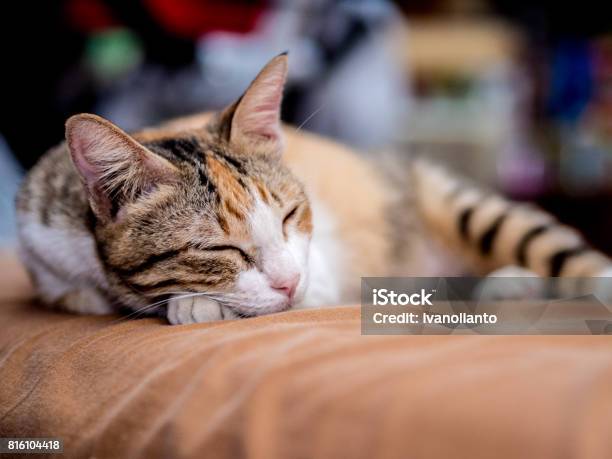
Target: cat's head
212	209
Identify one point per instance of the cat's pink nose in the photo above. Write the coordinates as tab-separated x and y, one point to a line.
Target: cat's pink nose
286	285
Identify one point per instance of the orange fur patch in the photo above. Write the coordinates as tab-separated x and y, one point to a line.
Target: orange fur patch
235	195
262	191
305	221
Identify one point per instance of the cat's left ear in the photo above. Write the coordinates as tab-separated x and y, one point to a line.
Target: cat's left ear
255	117
113	166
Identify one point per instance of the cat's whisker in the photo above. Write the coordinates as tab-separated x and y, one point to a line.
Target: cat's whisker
229	302
225	298
190	292
148	307
177	296
140	311
222	298
309	117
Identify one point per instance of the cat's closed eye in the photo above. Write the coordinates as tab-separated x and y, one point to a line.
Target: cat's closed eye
290	215
218	248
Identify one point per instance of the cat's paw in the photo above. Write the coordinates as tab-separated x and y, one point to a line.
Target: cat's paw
184	310
510	283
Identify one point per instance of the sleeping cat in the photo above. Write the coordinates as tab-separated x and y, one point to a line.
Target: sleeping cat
231	214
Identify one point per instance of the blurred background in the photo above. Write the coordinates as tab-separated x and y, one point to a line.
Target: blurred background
515	94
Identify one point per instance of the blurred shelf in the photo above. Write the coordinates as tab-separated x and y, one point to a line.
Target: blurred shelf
458	46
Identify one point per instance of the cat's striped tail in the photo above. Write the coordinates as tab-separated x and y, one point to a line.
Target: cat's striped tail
494	232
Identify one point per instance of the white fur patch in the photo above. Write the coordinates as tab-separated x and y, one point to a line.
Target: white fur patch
316	260
325	262
280	262
69	252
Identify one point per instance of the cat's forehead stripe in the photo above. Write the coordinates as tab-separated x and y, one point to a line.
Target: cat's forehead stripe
276	197
230	184
236	163
194	152
186	149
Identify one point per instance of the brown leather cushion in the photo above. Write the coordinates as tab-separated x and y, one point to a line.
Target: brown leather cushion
297	384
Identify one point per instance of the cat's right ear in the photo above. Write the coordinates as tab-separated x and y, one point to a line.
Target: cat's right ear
254	120
113	166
